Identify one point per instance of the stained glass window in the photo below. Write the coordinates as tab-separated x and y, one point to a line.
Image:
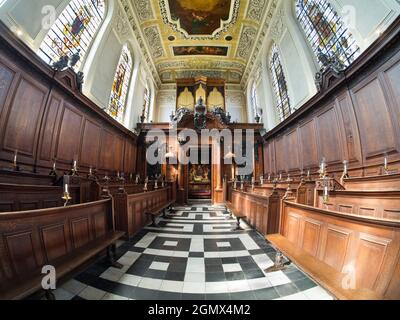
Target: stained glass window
279	84
120	85
73	31
254	101
326	31
146	104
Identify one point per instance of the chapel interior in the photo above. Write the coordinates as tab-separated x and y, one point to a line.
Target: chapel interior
294	196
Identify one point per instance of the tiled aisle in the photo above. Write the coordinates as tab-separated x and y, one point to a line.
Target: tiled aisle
193	255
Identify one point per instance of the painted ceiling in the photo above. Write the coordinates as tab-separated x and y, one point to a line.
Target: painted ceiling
188	38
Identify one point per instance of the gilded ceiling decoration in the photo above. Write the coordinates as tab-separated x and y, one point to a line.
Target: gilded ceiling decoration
189	38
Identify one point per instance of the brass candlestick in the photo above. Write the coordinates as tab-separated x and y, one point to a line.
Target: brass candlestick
386	165
322	169
15	163
74	169
66	196
345	174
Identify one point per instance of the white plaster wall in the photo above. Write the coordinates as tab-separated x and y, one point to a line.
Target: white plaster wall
236	105
166	104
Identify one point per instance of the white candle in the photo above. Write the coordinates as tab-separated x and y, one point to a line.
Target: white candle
386	162
345	167
325	191
66	188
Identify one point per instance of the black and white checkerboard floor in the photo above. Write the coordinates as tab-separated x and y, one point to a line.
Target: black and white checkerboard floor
193	255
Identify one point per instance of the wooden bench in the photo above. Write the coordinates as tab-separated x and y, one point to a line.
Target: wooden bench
135	211
261	212
322	273
153	213
64	238
334	247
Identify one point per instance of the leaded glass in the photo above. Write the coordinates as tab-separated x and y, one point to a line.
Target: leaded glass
120	85
146	104
73	31
326	31
279	84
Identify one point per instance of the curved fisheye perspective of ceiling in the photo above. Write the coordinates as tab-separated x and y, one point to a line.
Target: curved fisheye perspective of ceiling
212	38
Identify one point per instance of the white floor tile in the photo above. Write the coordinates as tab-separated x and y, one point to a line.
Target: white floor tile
130	280
172	286
149	283
162	266
232	267
74	286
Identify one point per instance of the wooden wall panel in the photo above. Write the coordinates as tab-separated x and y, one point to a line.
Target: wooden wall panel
24	117
370	258
280	154
336	244
374	119
118	153
55	241
350	136
107	151
329	136
6	77
49	130
89	154
292	149
311	236
21	251
308	143
70	135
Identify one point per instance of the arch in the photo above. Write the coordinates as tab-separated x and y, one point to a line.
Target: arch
73	31
120	87
325	30
279	84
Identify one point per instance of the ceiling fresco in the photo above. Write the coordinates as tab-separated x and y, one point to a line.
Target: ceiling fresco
199	17
185	38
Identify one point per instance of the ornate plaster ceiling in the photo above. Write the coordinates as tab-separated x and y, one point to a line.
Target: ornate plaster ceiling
186	38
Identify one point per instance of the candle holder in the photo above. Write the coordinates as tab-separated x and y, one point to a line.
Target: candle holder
137	179
53	171
156	185
262	180
74	170
322	169
253	182
15	166
234	184
91	173
345	174
386	165
146	181
66	195
269	177
308	175
325	196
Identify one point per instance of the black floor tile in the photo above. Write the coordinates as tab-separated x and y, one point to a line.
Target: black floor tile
286	289
305	284
266	294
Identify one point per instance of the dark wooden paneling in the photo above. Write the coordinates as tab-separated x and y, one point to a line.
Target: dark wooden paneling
22	123
374	119
90	144
308	145
329	137
70	135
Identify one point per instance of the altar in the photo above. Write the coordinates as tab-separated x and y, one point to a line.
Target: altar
199	181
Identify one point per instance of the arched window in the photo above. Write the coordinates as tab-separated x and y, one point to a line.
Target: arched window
146	103
279	84
326	31
254	100
2	2
73	31
120	85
